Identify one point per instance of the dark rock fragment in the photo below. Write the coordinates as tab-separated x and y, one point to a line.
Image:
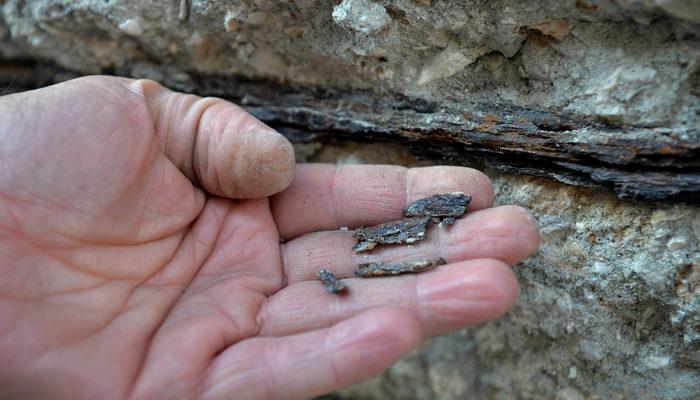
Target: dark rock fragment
444	207
407	230
372	269
334	285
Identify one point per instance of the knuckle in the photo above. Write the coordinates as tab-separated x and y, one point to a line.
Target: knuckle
144	87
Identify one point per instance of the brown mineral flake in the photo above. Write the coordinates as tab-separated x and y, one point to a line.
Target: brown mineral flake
443	207
372	269
407	231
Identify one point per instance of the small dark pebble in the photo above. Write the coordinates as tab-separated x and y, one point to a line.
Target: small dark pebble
332	283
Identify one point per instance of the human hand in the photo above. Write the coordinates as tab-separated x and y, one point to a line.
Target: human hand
122	278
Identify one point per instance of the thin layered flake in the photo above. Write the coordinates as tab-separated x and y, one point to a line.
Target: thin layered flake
372	269
406	231
445	207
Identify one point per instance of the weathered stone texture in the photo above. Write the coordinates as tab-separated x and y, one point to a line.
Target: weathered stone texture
610	306
624	60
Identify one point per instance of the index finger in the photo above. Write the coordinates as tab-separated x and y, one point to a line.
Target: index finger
328	197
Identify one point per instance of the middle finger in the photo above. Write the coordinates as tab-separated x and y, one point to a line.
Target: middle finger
506	233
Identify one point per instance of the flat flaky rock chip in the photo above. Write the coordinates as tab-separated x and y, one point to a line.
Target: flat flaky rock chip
406	231
372	269
444	207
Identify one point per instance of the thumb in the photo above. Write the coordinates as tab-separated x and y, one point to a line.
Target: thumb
217	144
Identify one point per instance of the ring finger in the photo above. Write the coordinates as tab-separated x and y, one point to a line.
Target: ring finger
506	233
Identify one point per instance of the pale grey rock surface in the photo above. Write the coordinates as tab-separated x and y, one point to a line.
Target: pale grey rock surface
635	61
362	16
610	306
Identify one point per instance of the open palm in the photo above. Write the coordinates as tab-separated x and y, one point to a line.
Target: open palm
141	257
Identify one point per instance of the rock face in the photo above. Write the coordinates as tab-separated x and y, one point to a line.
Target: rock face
624	60
582	92
609	307
596	93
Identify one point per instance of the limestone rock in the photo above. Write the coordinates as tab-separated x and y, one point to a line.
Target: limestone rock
610	306
624	328
362	16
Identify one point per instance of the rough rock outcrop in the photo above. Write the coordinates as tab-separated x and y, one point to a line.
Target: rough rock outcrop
587	93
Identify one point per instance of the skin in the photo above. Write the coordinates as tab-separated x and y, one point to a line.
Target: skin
161	245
